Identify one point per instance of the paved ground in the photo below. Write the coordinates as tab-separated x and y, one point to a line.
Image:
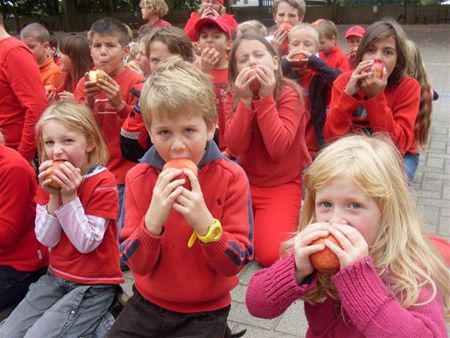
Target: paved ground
430	187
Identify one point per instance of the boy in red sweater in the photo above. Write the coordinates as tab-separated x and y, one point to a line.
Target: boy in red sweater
111	99
22	95
185	247
214	42
329	51
37	38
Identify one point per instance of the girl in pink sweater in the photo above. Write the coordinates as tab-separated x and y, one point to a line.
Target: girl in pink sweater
391	281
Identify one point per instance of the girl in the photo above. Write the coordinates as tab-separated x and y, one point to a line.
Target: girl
391	281
75	62
78	223
360	100
209	8
265	132
153	11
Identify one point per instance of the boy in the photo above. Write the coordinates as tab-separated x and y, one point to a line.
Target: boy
353	36
184	247
214	42
329	51
315	78
37	38
110	99
22	95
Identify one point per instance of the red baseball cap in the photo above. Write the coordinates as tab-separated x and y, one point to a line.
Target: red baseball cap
218	21
355	31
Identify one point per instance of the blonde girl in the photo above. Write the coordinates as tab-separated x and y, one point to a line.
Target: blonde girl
78	223
391	282
153	11
265	131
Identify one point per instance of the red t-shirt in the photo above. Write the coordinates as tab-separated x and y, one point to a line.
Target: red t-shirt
336	58
19	247
110	121
98	195
22	96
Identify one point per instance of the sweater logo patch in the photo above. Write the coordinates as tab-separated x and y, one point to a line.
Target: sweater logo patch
360	112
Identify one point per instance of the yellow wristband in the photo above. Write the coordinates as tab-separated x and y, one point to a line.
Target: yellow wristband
214	233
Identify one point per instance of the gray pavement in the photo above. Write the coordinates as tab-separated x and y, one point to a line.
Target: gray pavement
430	187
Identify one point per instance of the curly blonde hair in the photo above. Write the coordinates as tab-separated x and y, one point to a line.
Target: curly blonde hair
402	253
157	7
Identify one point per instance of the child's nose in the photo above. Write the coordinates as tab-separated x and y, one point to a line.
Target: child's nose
177	144
336	217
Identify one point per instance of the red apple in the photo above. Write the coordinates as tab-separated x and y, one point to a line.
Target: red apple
325	260
299	60
286	26
255	86
181	163
55	165
377	68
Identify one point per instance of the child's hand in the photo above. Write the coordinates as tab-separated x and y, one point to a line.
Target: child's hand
354	246
205	12
90	90
361	72
112	91
242	84
69	178
192	206
302	249
165	192
209	58
50	90
372	85
278	38
45	170
66	97
266	78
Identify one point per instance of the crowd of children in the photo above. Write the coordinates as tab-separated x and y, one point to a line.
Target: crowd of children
267	117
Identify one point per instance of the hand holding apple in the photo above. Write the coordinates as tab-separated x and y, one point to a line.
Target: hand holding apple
299	60
53	184
325	261
183	163
378	69
255	85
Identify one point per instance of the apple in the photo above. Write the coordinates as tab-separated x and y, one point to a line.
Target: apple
95	75
286	26
55	165
255	86
299	60
325	260
182	163
377	68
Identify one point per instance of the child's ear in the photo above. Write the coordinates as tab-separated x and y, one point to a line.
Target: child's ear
275	62
126	51
149	132
211	130
228	45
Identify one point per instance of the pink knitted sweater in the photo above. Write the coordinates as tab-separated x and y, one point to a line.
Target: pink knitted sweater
368	306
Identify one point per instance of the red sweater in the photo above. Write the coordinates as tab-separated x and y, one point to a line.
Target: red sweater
393	111
110	121
22	96
98	196
336	58
269	140
189	29
166	271
19	247
368	307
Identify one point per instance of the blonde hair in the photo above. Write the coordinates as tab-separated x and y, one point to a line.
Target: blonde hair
416	68
176	88
401	252
327	28
79	118
252	26
299	5
157	7
306	27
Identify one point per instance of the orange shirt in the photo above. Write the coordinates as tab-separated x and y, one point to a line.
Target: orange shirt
51	73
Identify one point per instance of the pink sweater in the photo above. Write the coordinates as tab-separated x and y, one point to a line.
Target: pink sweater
367	304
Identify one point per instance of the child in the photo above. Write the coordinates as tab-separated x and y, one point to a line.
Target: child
214	43
37	38
362	101
159	44
251	26
185	284
111	99
391	281
315	78
329	50
23	259
142	59
286	13
77	222
209	8
153	11
353	36
266	133
22	95
76	61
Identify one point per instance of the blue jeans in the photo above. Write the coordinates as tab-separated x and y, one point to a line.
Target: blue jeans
55	307
410	164
14	284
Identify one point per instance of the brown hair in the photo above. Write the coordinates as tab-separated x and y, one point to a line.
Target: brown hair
110	27
297	4
77	48
327	28
385	28
174	38
37	31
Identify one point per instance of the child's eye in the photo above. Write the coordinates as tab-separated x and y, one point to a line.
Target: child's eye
163	132
355	205
189	130
325	204
49	143
68	140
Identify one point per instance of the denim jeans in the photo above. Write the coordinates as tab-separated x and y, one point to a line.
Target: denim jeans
14	284
55	307
410	164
